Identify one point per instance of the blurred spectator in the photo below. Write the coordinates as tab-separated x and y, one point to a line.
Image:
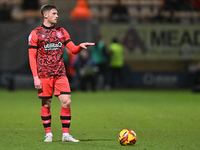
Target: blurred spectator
5	12
119	13
99	57
85	71
81	11
81	16
116	51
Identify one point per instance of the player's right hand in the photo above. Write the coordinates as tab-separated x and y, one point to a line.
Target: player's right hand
37	83
84	45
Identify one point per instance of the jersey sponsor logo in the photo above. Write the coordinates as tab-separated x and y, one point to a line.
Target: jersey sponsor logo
52	46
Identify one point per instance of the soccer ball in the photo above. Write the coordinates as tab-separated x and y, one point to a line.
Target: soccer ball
127	137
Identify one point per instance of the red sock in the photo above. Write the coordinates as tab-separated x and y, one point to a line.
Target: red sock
65	117
46	118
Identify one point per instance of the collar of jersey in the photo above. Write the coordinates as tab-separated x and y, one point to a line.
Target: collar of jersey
48	27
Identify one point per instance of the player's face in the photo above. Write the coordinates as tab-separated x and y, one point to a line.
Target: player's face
52	16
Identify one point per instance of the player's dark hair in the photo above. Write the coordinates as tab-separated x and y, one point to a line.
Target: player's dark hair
47	7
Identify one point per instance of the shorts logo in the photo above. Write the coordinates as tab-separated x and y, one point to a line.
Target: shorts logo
52	46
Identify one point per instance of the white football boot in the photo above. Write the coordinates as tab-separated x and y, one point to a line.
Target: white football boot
68	138
49	137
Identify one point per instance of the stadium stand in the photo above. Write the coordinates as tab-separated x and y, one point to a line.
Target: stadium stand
139	10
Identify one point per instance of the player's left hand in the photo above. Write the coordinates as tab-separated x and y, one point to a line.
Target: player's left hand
84	45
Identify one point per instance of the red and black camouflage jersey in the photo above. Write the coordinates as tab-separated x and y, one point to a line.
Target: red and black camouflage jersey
49	42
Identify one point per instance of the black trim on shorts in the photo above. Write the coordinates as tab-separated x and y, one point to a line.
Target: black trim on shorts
29	46
67	41
45	97
65	93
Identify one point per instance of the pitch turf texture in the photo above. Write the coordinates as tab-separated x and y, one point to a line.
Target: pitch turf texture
162	119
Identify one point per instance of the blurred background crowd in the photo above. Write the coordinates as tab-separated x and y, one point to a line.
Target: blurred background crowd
139	43
107	10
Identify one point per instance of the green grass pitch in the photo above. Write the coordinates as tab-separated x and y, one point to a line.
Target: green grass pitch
162	119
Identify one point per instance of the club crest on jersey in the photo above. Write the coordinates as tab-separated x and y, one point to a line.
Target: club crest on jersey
59	34
52	46
43	36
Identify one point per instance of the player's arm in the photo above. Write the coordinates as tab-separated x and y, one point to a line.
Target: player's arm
32	48
33	66
33	61
76	49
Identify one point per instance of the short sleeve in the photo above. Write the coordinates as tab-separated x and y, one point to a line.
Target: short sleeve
67	36
32	40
